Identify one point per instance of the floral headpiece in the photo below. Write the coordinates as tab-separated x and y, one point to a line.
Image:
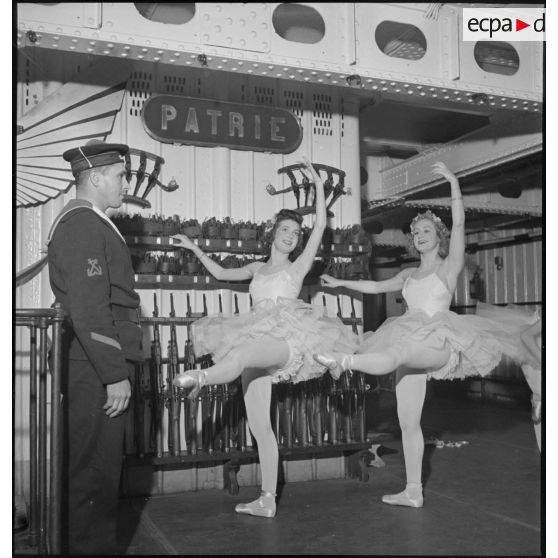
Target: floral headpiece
428	215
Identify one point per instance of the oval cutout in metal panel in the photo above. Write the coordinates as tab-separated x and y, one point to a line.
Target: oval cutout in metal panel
169	12
298	24
496	57
400	40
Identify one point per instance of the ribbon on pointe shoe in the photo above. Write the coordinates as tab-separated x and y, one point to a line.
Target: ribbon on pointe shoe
336	367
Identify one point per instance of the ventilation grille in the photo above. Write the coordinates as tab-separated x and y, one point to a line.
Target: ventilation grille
264	95
174	84
321	115
198	86
294	100
140	90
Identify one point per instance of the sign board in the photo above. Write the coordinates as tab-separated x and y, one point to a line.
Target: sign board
210	123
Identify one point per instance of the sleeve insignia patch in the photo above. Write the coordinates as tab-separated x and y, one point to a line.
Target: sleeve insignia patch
94	268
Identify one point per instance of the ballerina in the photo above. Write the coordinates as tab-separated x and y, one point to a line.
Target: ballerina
428	341
275	341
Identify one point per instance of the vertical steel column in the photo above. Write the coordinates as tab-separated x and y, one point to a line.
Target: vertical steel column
56	435
43	326
33	515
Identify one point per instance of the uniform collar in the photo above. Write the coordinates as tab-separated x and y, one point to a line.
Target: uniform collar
72	205
104	216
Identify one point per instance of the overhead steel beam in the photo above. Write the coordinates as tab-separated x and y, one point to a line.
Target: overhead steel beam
507	138
247	38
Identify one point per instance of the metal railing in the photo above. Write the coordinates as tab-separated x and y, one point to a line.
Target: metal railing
45	496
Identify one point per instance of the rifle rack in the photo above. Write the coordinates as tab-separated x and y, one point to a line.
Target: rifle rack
320	417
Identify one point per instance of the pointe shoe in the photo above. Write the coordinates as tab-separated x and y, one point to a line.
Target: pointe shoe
336	363
536	410
410	497
264	506
191	382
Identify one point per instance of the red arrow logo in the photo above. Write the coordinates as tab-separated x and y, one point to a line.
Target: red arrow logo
519	25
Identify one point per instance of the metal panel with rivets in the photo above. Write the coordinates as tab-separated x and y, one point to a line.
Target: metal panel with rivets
246	38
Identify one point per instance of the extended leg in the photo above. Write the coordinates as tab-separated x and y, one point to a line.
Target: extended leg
262	353
256	385
410	392
414	355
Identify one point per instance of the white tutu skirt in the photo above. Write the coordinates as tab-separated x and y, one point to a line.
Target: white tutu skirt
476	343
513	320
303	326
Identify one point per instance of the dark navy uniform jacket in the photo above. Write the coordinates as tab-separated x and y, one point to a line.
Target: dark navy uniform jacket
91	274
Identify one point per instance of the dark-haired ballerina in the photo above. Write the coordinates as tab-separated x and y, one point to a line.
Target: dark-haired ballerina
428	341
273	342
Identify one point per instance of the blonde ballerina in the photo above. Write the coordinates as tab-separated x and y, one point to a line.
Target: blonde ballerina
428	341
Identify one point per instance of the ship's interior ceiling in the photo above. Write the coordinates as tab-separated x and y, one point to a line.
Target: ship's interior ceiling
397	131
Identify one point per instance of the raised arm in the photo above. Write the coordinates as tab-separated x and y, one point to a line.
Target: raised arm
219	272
456	256
304	262
393	284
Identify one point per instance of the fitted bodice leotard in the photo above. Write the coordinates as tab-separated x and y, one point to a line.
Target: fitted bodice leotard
272	286
428	294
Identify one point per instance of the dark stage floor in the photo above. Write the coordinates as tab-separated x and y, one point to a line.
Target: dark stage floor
481	499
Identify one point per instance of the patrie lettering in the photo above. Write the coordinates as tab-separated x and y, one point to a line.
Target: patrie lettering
217	121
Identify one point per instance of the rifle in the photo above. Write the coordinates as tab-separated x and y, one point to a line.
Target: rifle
190	407
157	395
317	408
208	418
331	399
346	399
204	305
173	399
139	410
360	386
288	416
276	405
240	409
303	415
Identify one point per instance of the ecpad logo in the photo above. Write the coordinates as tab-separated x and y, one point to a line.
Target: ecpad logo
502	24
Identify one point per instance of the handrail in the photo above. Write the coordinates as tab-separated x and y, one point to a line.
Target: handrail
45	516
30	271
